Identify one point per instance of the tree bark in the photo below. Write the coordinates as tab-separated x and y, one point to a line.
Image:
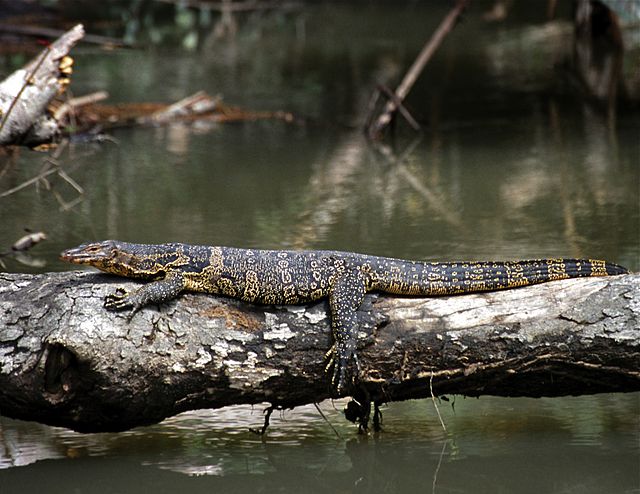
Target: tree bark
66	361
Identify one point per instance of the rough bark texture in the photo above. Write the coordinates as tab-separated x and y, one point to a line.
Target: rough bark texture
26	94
65	360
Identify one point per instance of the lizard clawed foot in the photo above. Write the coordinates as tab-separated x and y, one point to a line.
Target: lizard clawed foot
121	299
117	300
342	376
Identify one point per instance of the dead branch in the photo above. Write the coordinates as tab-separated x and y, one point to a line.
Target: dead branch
198	107
26	94
447	24
72	104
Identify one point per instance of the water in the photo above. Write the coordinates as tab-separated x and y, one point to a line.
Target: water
579	444
512	164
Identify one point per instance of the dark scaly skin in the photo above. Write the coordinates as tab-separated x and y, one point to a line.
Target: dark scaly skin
296	277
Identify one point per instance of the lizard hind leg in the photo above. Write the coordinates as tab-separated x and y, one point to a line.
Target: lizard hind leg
345	297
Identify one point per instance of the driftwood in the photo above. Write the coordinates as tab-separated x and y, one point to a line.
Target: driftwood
66	361
25	95
198	107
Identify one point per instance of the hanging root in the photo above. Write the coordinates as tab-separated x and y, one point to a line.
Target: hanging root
267	415
358	410
377	417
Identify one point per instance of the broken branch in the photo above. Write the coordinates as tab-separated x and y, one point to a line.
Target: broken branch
375	129
26	94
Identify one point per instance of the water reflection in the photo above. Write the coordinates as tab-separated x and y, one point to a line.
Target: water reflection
490	443
509	171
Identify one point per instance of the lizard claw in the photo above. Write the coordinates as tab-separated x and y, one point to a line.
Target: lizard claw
121	299
341	372
117	300
330	356
337	364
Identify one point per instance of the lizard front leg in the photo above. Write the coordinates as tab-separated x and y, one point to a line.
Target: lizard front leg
345	296
155	292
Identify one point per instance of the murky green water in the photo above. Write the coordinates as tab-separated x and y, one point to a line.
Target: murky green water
583	444
511	164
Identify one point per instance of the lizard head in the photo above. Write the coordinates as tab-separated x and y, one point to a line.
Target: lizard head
112	256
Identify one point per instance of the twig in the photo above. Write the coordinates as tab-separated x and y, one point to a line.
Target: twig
5	169
433	199
418	66
47	163
435	404
50	166
66	205
401	108
327	421
74	103
27	183
57	152
27	80
435	474
70	181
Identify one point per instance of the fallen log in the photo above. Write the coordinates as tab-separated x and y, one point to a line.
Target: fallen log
66	361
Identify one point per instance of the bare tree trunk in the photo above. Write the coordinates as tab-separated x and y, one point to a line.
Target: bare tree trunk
65	360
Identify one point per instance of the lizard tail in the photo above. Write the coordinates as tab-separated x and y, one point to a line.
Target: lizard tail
522	273
465	277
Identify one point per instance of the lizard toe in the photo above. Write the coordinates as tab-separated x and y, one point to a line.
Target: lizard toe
117	301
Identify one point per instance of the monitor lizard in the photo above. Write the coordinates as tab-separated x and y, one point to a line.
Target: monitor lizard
297	277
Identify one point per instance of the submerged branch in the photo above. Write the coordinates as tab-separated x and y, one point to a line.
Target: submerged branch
67	361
